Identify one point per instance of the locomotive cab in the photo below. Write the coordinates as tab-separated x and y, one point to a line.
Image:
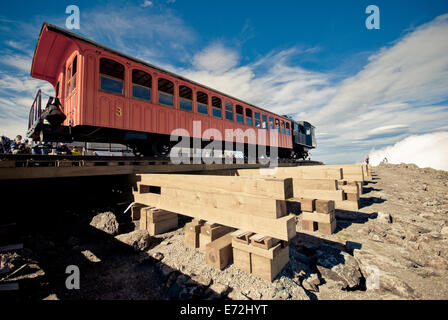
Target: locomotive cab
303	138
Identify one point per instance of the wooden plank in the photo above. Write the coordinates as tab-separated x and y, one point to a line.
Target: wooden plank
314	184
347	205
263	207
267	253
219	253
268	269
211	232
280	189
300	172
242	259
263	242
242	236
319	194
318	217
155	228
282	228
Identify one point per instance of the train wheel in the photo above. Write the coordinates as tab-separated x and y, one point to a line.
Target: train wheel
161	148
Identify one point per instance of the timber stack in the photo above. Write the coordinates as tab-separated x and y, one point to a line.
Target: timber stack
241	217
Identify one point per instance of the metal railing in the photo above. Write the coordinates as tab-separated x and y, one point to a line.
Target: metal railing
36	110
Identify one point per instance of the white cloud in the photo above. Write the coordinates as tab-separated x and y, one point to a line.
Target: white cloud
385	129
216	59
428	150
21	62
147	3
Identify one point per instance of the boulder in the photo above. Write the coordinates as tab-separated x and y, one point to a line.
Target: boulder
106	222
138	239
378	271
338	266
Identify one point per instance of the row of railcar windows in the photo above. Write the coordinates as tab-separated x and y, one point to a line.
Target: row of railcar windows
112	80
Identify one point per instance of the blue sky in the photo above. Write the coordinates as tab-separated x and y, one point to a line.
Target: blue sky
315	60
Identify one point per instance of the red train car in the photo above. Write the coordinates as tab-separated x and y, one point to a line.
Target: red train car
102	95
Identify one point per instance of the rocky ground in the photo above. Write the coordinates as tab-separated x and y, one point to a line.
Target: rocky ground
395	247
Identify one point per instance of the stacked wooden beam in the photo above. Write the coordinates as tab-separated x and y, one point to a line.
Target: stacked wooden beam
257	204
317	182
157	221
262	256
318	215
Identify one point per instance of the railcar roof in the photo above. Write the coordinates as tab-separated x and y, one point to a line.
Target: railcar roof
69	34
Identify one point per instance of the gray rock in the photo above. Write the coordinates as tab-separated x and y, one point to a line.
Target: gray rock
203	280
384	217
158	256
138	239
311	283
106	222
338	266
444	231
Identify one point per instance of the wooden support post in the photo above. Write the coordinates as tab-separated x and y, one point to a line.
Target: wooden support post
268	269
192	230
136	211
157	221
218	253
242	260
211	232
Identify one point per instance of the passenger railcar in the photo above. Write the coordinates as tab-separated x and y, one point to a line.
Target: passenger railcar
102	95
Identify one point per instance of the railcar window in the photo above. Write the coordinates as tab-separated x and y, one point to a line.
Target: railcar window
239	114
264	121
229	111
217	106
141	85
287	128
111	76
283	127
277	125
186	98
257	119
166	92
202	99
271	123
74	69
69	78
249	117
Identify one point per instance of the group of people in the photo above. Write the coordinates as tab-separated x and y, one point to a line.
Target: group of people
20	146
384	160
